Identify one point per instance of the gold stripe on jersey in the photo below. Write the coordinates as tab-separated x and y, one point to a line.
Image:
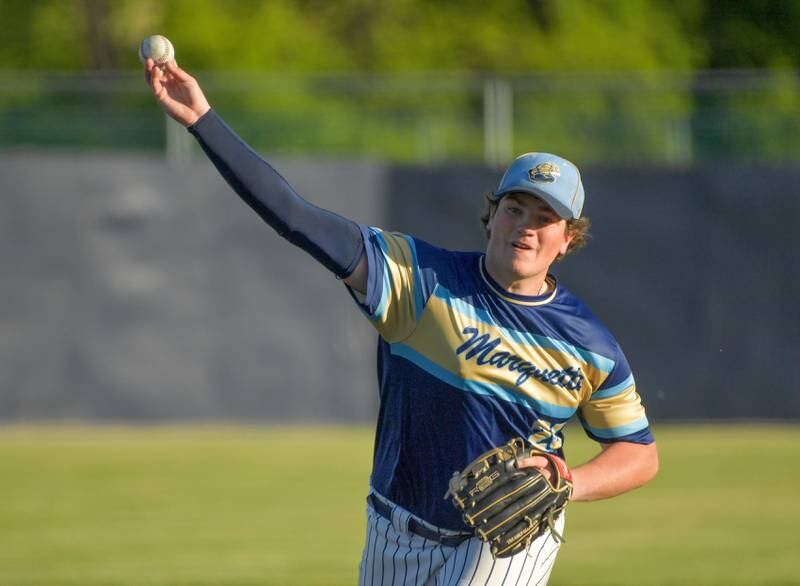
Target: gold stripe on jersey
615	416
397	289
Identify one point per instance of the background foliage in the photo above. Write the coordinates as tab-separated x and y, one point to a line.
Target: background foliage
362	35
406	35
406	80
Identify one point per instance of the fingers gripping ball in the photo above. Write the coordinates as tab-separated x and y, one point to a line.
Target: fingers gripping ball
508	506
156	47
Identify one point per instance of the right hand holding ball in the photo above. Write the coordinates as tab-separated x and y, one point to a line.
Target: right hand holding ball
177	92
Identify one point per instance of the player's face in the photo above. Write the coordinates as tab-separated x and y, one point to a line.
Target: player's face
526	237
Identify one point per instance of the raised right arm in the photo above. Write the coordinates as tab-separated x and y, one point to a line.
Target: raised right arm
334	241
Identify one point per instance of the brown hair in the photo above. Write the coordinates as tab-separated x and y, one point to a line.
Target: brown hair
577	228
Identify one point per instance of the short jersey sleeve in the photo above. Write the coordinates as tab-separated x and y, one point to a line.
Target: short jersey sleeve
394	298
614	411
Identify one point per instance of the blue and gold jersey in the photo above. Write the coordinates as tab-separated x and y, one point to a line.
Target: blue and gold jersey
465	366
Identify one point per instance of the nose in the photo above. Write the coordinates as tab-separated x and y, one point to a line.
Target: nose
531	225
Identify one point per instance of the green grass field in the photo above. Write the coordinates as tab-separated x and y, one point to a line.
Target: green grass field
230	506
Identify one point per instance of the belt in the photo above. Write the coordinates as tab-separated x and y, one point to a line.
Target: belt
415	526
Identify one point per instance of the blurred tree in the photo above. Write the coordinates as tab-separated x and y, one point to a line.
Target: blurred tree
43	34
646	107
509	35
752	34
406	35
100	45
760	118
243	35
365	35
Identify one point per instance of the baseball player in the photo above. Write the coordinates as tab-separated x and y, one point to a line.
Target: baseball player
475	348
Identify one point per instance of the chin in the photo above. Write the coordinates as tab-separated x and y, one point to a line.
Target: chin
523	270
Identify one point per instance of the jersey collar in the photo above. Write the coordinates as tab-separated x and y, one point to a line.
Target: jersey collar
530	300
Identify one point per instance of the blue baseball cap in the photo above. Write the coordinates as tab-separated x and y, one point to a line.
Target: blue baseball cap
552	178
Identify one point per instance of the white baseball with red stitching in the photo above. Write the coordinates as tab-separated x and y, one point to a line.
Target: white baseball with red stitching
156	47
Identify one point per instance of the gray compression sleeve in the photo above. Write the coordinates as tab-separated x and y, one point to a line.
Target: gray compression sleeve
334	241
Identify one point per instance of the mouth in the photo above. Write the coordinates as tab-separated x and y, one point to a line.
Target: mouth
521	246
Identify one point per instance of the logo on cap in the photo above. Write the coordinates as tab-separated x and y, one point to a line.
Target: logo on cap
545	173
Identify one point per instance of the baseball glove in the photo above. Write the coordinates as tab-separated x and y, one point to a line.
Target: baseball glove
508	506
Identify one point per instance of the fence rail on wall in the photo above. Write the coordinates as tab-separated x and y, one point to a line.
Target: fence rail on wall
421	118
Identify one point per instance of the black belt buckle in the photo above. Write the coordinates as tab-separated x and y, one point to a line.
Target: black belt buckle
416	527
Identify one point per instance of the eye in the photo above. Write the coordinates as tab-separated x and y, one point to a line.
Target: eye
546	218
514	210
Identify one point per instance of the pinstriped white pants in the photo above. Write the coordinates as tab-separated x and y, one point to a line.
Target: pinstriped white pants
395	557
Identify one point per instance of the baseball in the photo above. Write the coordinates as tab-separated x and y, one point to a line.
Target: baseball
156	47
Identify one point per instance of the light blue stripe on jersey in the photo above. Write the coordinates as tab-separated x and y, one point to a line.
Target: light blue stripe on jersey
615	390
486	389
596	360
386	291
386	287
419	300
621	431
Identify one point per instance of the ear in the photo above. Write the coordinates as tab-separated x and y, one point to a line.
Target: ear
567	239
492	213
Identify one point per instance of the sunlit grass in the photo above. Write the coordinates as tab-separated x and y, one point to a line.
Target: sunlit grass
245	506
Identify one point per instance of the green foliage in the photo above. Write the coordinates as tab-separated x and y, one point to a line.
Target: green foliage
352	35
751	121
633	101
241	35
405	35
753	34
43	35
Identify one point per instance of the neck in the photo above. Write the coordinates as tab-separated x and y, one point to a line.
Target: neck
529	286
